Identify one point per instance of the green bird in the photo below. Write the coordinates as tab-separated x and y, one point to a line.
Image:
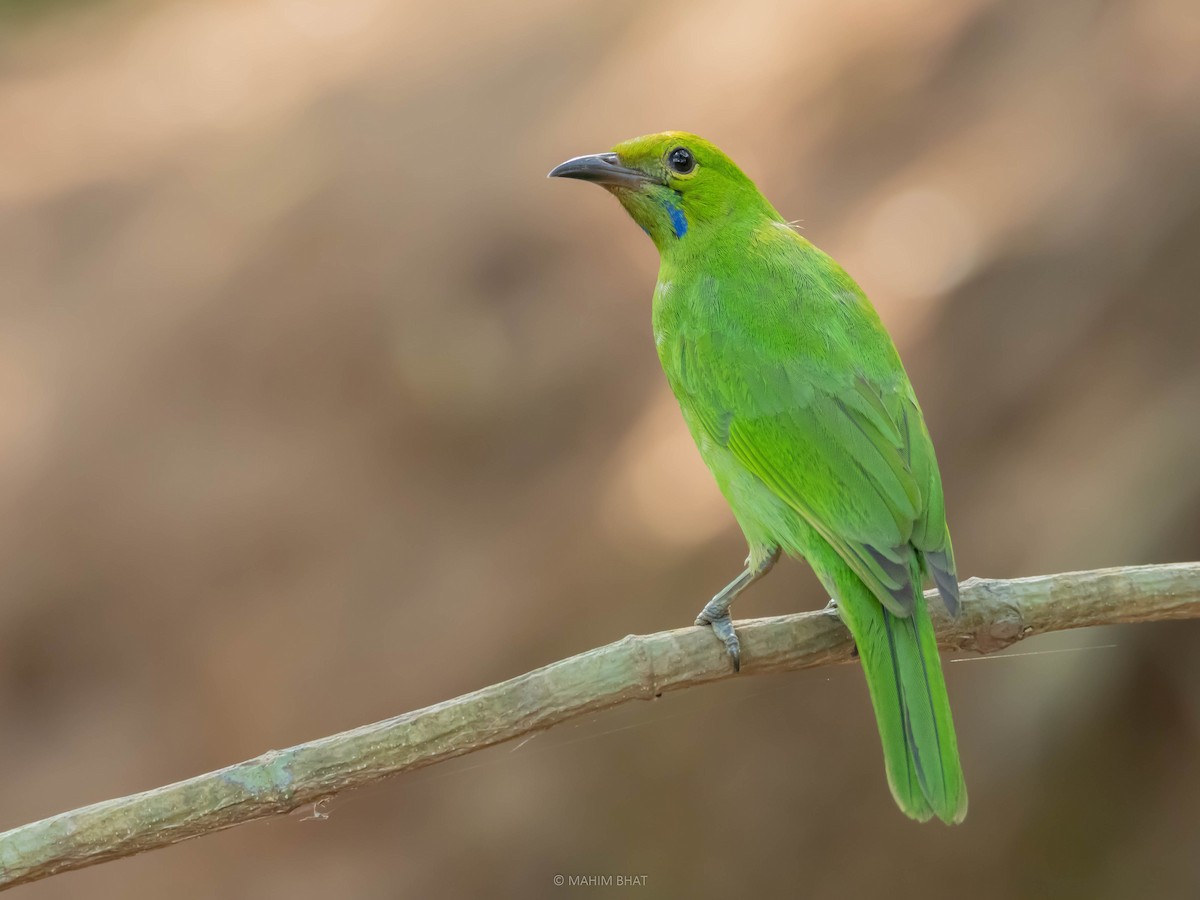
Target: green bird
800	406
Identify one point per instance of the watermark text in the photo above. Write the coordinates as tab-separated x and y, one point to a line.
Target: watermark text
611	879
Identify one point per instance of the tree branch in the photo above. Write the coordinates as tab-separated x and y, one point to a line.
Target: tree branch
995	615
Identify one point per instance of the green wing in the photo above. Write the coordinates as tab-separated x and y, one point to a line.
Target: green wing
847	449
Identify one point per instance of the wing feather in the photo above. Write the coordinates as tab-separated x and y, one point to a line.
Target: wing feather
850	455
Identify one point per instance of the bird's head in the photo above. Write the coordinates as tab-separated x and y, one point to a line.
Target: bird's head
677	186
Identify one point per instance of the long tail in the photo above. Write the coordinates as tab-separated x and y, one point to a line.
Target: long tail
904	675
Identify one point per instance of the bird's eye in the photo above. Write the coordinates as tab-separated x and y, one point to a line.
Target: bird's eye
681	160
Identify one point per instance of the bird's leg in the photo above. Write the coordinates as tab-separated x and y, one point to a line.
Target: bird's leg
716	611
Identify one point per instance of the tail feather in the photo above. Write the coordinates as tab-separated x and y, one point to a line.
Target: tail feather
904	675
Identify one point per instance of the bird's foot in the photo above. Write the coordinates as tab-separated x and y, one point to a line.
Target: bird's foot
722	625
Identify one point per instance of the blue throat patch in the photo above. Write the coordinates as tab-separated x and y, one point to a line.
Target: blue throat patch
678	219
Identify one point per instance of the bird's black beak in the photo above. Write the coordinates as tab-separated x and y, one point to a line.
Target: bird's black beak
602	168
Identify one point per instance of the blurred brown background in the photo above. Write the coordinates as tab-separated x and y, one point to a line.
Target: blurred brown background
318	403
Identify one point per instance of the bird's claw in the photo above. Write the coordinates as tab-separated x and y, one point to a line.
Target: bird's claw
722	626
832	606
